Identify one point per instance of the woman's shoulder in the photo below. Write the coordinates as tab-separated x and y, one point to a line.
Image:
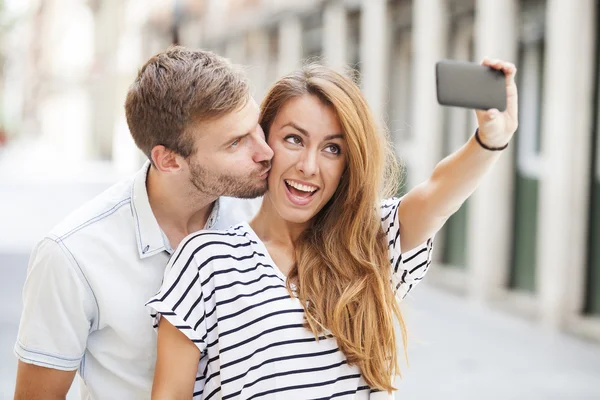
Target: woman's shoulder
389	206
206	240
389	202
208	250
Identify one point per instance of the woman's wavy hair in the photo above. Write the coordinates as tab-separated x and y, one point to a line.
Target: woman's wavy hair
342	269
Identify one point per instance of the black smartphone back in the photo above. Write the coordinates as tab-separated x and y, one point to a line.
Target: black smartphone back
470	85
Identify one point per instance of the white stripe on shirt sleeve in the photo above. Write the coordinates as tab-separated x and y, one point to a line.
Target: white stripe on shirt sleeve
180	299
408	268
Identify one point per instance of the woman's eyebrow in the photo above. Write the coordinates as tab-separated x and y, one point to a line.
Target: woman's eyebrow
298	128
336	136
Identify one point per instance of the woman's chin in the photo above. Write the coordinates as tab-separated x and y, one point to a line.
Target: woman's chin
298	218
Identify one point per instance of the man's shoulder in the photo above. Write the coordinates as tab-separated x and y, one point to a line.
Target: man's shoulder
233	211
108	205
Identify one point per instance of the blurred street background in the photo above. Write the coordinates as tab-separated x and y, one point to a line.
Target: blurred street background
511	307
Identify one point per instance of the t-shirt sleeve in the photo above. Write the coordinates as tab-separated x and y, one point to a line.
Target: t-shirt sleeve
180	299
59	309
410	267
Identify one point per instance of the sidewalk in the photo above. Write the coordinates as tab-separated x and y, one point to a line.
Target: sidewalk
461	351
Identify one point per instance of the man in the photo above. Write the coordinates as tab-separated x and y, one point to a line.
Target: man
191	113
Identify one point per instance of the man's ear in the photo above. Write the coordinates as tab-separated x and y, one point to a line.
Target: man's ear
166	160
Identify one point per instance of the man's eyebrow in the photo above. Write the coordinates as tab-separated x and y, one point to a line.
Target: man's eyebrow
305	132
236	137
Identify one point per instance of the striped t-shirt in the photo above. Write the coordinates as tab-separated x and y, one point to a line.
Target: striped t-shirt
224	292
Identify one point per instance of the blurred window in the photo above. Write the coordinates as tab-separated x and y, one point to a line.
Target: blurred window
459	124
592	305
273	53
354	39
400	104
312	36
530	81
400	86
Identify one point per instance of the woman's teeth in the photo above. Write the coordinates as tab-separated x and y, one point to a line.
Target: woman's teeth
299	186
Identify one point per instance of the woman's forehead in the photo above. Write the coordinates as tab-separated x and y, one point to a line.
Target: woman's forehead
309	113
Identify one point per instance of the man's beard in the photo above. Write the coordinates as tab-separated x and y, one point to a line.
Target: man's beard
244	187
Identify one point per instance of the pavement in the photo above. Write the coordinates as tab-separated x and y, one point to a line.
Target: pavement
457	350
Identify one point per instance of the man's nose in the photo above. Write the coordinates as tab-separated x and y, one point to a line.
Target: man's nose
263	151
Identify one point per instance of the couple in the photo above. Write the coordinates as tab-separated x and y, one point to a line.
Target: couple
294	296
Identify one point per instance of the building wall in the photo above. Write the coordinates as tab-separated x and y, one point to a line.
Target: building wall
525	242
67	66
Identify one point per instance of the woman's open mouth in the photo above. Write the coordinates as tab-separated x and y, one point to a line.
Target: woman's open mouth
300	193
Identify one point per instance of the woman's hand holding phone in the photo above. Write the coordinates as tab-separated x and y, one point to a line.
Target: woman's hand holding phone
489	88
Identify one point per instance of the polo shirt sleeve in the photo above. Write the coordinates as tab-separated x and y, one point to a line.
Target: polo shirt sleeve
180	298
410	267
58	309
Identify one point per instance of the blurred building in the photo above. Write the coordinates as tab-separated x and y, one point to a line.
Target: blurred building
529	238
66	69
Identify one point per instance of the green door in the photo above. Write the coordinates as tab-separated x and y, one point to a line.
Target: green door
400	100
593	289
459	125
531	56
353	41
593	281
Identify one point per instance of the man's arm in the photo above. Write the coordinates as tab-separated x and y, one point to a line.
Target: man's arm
34	382
425	209
59	311
176	364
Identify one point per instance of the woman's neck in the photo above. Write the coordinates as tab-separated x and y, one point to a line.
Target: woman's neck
270	227
278	235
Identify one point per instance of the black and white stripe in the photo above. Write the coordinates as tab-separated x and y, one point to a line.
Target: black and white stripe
224	292
410	267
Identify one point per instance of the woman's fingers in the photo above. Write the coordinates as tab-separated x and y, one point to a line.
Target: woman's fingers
492	113
495	63
509	69
488	115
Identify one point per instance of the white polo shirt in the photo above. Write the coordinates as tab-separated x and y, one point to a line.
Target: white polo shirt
88	281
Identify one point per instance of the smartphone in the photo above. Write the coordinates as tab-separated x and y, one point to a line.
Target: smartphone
470	85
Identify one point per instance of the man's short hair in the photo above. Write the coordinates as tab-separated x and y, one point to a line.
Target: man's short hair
179	87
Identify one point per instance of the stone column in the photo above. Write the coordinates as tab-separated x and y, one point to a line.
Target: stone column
374	50
566	140
67	29
335	33
491	206
257	61
130	56
290	44
429	46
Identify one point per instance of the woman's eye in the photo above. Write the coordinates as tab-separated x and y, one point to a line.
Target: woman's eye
293	139
236	143
333	149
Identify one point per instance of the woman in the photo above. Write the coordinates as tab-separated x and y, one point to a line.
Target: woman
298	303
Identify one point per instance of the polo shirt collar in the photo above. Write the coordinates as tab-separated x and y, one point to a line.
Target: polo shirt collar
151	239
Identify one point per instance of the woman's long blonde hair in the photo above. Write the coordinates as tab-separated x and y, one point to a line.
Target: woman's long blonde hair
342	269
